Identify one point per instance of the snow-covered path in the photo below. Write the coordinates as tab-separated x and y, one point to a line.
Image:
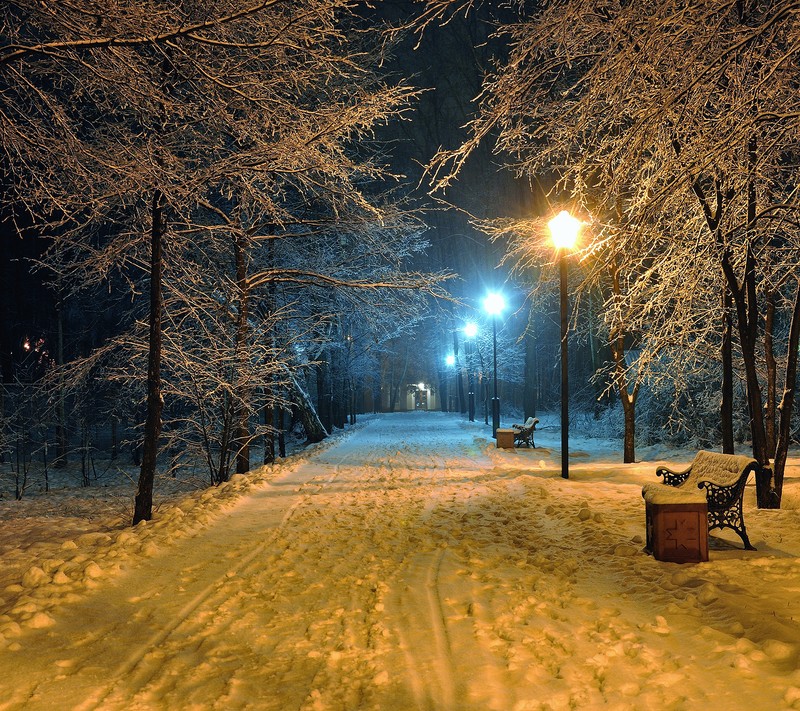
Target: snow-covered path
409	566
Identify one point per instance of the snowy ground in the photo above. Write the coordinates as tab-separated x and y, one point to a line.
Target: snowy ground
408	565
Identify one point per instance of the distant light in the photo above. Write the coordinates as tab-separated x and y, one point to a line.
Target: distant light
564	229
450	360
421	386
494	304
471	329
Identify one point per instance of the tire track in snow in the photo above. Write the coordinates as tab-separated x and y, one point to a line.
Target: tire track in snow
132	673
431	673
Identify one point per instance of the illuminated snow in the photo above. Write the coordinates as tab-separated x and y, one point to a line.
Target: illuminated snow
407	565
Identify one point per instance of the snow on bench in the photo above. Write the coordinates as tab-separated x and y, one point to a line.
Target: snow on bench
717	479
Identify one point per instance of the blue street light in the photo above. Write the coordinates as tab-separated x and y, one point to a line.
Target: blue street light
493	304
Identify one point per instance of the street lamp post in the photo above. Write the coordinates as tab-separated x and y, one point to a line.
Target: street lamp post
494	304
564	228
470	331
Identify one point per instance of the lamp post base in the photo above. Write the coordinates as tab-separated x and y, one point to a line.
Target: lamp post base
495	415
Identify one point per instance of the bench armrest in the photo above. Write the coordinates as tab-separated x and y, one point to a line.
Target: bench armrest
672	477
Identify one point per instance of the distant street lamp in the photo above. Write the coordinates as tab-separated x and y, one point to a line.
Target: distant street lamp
564	229
494	304
470	331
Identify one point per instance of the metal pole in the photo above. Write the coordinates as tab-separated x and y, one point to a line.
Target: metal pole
564	369
470	381
495	399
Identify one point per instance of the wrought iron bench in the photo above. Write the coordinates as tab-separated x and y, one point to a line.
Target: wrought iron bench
723	476
523	434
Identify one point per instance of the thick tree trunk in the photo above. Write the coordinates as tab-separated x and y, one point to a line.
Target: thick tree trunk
772	371
726	405
143	504
770	493
747	312
747	326
629	439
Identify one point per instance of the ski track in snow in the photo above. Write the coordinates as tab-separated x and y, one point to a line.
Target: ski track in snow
409	566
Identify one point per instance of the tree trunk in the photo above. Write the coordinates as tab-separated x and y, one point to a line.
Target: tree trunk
324	394
747	311
726	405
530	390
351	401
143	504
396	384
242	398
744	296
627	397
315	432
770	494
377	400
114	438
60	460
772	370
462	401
269	435
225	440
280	420
594	352
339	391
747	326
629	439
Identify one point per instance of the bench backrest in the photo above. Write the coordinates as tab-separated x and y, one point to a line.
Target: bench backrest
723	469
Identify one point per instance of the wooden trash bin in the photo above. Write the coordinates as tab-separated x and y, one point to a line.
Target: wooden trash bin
677	532
505	438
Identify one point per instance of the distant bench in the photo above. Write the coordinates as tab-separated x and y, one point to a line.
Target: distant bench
523	434
723	476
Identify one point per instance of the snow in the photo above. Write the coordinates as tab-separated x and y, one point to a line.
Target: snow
408	564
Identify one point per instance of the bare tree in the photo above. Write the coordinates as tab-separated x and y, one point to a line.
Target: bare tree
146	137
684	119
